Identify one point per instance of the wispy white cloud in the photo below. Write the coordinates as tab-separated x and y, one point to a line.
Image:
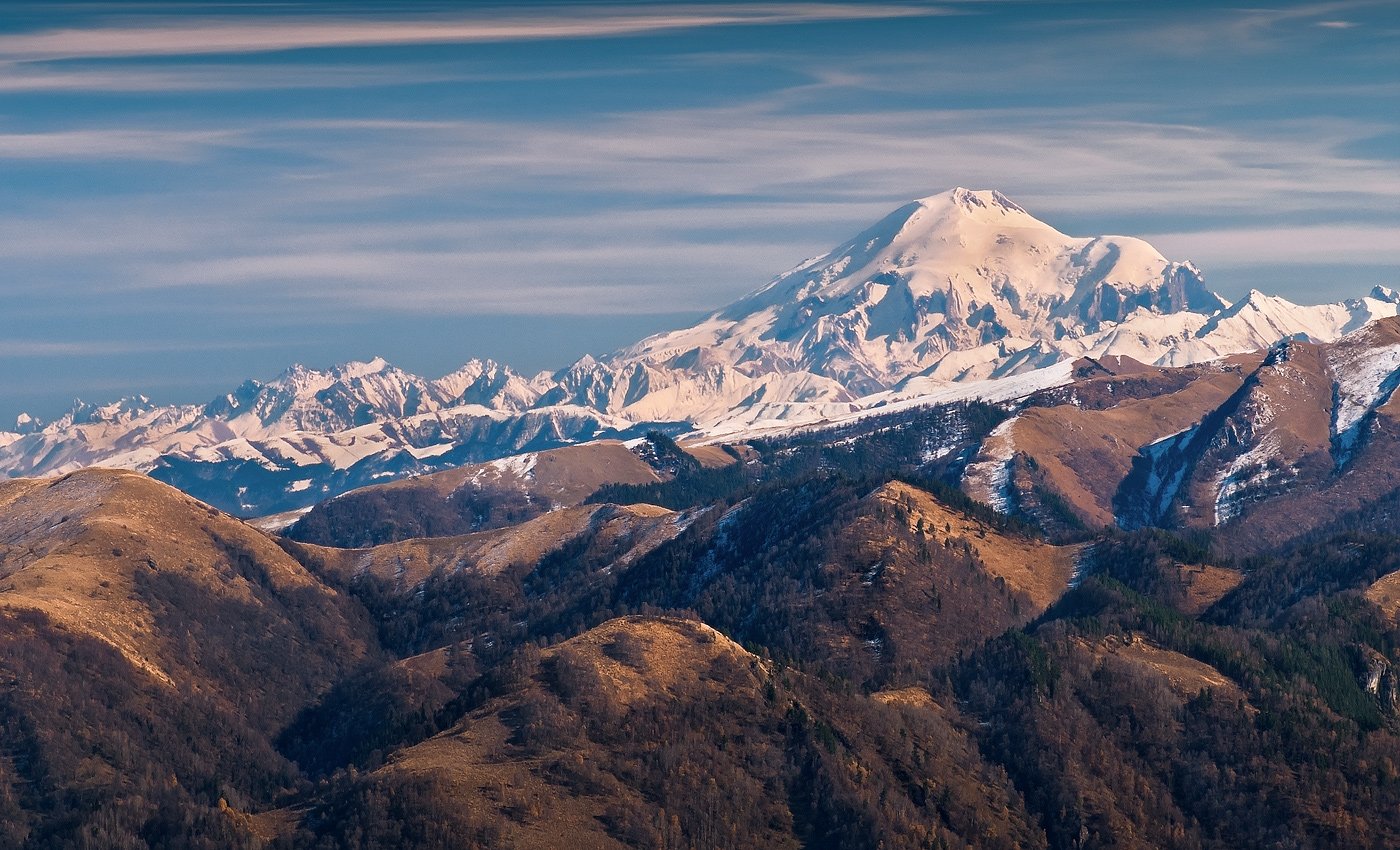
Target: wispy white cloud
1248	29
115	144
634	260
199	75
1072	159
601	279
34	348
232	36
1323	244
717	199
720	200
18	77
1263	17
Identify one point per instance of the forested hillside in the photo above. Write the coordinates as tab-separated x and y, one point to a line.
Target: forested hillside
822	643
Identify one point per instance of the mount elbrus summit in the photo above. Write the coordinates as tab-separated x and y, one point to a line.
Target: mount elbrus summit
968	534
936	299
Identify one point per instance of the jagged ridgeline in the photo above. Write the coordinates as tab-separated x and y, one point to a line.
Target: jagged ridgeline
943	294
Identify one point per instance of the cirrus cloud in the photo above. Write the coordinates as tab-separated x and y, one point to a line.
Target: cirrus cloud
231	36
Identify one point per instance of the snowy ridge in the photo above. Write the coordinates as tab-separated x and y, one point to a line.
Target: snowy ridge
297	440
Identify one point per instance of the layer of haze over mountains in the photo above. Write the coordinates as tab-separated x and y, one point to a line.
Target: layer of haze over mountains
199	193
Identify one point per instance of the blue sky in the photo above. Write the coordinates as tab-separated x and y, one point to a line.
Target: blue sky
198	193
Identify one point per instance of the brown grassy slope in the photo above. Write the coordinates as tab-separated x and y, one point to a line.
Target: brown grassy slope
1385	594
710	457
1276	438
1372	476
151	647
543	784
908	582
633	530
471	498
1184	676
1104	382
656	731
631	659
1083	453
1038	570
1204	585
186	593
563	476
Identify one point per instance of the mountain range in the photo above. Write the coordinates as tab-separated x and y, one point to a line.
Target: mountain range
966	535
1258	449
820	643
932	303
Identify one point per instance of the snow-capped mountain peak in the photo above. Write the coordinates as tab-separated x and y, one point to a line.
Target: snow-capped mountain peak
976	202
964	285
487	383
1385	293
960	229
956	285
26	424
121	410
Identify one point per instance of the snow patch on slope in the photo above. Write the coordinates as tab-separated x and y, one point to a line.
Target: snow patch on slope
521	467
1246	473
1165	473
1364	378
988	477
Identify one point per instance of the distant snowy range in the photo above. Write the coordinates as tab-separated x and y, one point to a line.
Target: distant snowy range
960	295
